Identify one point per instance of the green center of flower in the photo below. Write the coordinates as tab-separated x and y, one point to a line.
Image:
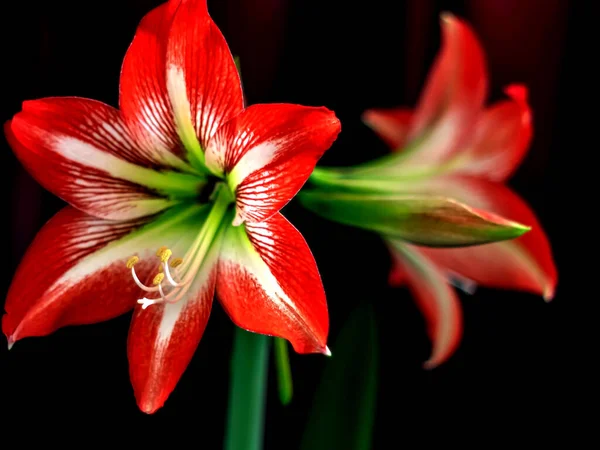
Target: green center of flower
175	274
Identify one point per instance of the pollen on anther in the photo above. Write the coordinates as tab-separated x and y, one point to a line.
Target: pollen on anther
176	262
158	279
165	255
160	251
132	262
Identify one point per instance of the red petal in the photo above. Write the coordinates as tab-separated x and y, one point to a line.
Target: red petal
204	84
501	138
84	278
396	276
77	284
269	283
143	91
523	263
164	337
435	298
392	125
268	152
453	97
80	150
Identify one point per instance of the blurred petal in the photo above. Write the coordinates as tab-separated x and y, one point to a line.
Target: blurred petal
500	139
524	263
164	337
435	298
396	277
452	99
268	153
433	220
391	125
84	278
81	151
269	283
202	80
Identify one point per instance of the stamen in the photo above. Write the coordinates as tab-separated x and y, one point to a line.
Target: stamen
181	272
132	262
140	284
176	262
171	279
158	279
165	255
177	283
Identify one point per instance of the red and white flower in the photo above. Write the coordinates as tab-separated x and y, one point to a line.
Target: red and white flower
173	197
450	147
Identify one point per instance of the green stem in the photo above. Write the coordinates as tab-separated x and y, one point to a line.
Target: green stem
247	393
284	371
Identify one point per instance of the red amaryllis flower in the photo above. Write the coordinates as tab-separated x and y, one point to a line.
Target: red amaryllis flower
172	197
470	151
451	147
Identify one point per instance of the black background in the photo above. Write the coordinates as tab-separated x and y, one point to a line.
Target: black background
521	372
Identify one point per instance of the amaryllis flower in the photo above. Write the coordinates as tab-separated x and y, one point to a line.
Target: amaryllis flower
172	197
452	147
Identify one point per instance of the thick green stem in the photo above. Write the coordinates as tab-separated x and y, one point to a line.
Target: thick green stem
284	371
247	392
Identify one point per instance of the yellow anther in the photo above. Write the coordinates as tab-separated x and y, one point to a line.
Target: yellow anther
176	262
158	279
160	251
165	255
160	269
132	261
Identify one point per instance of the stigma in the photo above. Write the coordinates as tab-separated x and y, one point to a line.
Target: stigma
169	284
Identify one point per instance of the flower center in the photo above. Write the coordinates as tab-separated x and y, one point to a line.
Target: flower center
175	275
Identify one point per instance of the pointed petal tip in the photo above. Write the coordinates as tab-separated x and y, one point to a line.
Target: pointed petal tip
149	407
11	342
430	364
367	117
326	351
447	17
549	294
517	92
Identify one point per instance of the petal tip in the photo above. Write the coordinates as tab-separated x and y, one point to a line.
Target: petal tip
367	117
326	351
147	406
431	364
447	17
11	342
517	92
549	294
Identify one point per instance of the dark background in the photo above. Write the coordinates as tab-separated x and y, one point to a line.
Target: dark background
522	371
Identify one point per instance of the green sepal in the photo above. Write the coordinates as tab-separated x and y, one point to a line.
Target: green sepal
422	219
